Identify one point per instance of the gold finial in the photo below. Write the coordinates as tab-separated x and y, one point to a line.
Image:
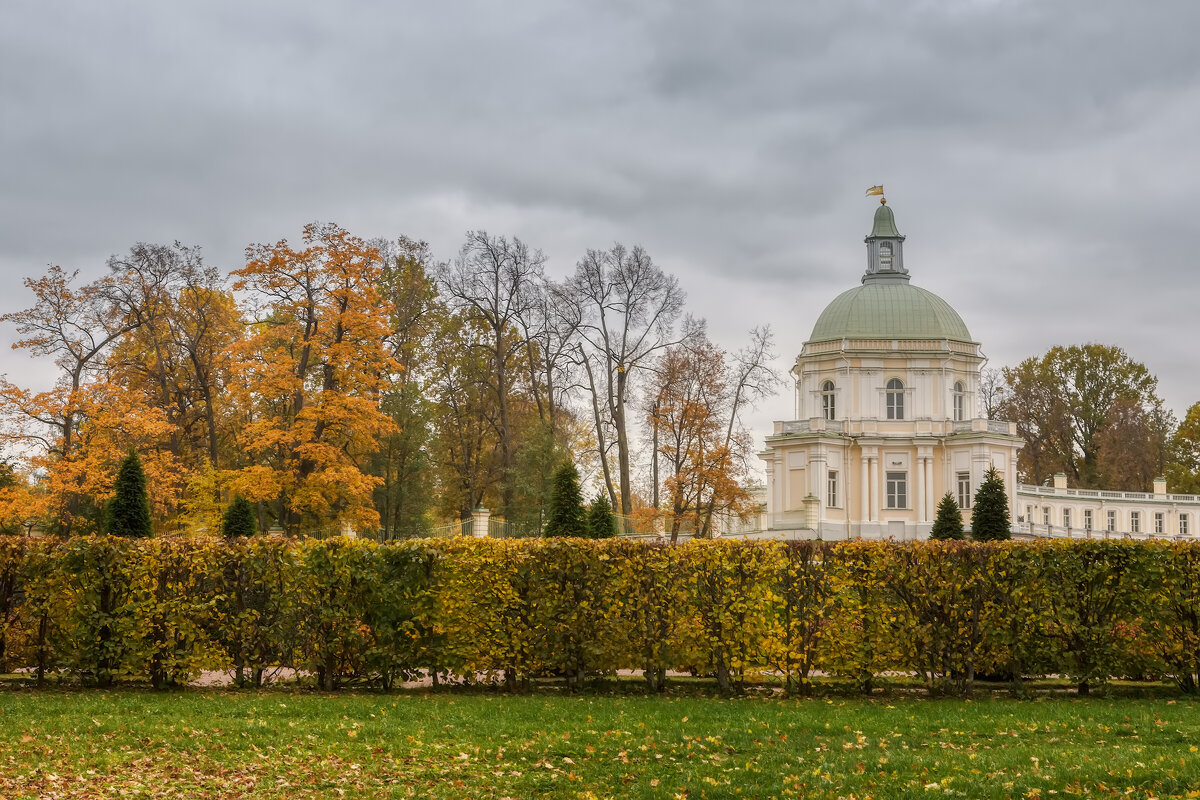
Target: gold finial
883	201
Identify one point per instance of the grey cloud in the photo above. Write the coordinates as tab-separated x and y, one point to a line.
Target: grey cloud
1038	154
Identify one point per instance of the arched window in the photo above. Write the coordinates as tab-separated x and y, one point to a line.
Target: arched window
895	399
959	402
828	401
885	255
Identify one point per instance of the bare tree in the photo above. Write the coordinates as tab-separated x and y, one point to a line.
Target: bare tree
993	391
548	324
493	282
627	313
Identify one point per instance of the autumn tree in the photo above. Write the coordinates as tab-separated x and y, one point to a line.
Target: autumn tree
699	395
1183	470
312	372
628	308
404	497
22	502
77	326
186	322
177	360
1078	409
464	444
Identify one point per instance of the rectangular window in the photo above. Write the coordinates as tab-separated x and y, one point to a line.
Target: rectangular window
832	493
1112	520
1046	515
1029	513
958	408
1066	517
897	490
1135	522
964	489
1183	524
1159	522
1087	519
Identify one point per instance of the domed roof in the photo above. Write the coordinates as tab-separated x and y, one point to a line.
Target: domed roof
890	310
887	306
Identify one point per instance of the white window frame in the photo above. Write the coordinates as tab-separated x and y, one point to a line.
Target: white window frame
831	488
1066	518
894	399
1046	516
1184	526
897	489
960	402
1087	519
829	400
962	482
1160	522
1112	522
1135	522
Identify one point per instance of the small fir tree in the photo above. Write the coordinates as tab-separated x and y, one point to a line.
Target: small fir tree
948	524
989	519
239	519
601	521
566	504
129	509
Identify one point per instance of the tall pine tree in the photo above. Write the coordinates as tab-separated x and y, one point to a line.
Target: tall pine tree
948	524
129	509
566	504
990	520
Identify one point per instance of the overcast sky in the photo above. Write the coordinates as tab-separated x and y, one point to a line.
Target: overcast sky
1041	157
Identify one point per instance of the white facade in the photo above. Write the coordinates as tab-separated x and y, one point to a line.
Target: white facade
887	416
1059	512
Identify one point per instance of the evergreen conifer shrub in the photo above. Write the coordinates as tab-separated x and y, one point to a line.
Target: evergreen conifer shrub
601	521
566	504
129	509
948	523
989	519
239	519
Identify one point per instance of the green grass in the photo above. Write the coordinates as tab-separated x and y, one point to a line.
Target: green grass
279	744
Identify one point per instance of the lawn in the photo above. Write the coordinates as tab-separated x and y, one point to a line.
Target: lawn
281	744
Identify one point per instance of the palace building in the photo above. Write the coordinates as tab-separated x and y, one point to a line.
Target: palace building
888	420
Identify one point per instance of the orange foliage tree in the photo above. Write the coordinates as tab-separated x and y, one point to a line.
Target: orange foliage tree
698	397
76	326
310	376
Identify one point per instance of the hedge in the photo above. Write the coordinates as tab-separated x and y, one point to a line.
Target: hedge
345	612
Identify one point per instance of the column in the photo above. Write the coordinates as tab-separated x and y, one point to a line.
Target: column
930	500
819	474
479	521
864	512
874	488
920	490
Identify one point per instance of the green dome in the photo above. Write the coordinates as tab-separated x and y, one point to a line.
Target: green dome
889	310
